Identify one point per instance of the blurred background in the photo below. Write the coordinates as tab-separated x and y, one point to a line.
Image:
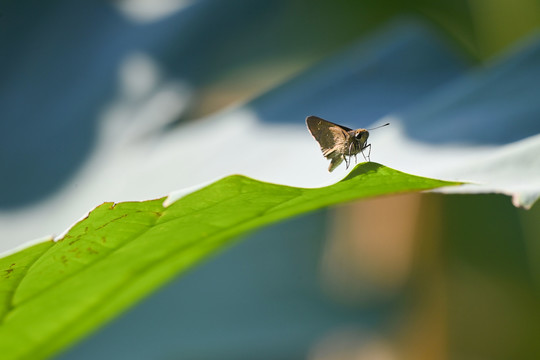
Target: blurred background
132	99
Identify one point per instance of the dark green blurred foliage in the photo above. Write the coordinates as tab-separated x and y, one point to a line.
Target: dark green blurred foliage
492	269
485	256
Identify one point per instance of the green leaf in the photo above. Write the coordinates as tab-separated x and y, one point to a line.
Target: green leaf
54	293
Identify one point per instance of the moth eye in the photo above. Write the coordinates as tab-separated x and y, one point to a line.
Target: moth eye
358	135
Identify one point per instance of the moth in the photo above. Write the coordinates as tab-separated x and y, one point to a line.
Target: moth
339	143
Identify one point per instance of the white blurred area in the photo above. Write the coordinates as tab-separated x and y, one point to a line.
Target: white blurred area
144	11
135	159
512	169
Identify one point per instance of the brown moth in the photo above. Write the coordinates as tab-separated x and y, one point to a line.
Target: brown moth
338	142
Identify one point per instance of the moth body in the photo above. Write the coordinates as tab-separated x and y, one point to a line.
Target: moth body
338	143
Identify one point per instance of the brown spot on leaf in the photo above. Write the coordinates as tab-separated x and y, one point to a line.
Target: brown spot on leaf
92	251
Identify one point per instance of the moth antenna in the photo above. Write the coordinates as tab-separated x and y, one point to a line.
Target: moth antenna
379	127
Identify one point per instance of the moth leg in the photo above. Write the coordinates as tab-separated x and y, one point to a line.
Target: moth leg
347	162
351	146
369	154
350	150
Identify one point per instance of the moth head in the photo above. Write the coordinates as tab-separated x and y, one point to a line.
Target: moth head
361	135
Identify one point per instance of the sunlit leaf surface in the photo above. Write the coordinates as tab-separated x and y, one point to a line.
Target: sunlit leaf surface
55	292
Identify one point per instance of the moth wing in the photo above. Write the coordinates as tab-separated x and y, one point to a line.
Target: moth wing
318	122
328	135
335	163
